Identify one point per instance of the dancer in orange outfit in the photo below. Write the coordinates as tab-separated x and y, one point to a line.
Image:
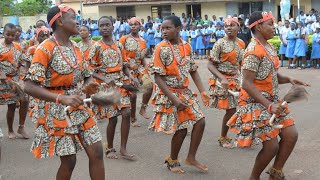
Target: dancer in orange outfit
135	50
176	106
224	64
11	58
42	34
56	71
259	99
106	57
85	42
23	44
33	41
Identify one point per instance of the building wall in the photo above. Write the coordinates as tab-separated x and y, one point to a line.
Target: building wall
214	8
232	8
177	9
143	11
25	21
91	12
107	11
315	4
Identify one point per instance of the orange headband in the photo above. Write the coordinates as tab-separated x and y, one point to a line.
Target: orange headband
265	17
231	20
63	8
135	19
44	29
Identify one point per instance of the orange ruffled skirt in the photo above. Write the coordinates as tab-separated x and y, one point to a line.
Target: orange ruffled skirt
167	118
251	124
221	99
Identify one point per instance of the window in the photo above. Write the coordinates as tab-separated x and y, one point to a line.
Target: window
250	7
126	11
193	10
163	11
256	6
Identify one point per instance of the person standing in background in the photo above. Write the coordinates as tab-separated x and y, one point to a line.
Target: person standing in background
284	42
244	33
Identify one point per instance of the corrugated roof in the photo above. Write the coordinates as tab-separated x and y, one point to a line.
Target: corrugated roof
141	2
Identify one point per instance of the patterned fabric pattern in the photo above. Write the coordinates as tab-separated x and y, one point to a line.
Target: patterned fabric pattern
11	59
108	62
251	121
53	136
226	56
175	76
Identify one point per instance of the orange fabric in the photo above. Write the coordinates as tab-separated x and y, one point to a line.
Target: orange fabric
171	69
132	54
262	85
33	41
87	51
56	79
97	59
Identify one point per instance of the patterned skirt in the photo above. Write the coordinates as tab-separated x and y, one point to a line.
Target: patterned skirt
251	124
6	94
32	108
110	111
54	137
221	99
168	118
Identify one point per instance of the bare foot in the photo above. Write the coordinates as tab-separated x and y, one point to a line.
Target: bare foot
177	170
111	153
124	154
169	132
196	164
23	133
143	113
134	122
12	135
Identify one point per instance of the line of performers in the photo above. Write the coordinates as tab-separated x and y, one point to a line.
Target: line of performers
58	72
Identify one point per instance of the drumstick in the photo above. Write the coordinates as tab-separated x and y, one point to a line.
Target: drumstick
233	93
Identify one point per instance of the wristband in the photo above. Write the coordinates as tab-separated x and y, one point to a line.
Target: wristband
57	99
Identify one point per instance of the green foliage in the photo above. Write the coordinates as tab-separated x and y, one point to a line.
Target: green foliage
7	7
78	39
96	38
24	8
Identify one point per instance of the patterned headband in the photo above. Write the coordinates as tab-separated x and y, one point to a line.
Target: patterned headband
134	20
265	17
231	20
63	8
44	29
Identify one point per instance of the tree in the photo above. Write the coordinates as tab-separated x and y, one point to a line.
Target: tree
25	7
32	7
7	7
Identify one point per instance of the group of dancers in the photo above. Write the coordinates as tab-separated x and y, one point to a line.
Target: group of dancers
59	72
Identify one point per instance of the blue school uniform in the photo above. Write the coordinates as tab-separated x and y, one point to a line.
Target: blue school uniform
151	33
184	35
291	43
284	32
144	35
209	44
300	48
193	35
315	53
200	46
220	33
95	30
157	37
